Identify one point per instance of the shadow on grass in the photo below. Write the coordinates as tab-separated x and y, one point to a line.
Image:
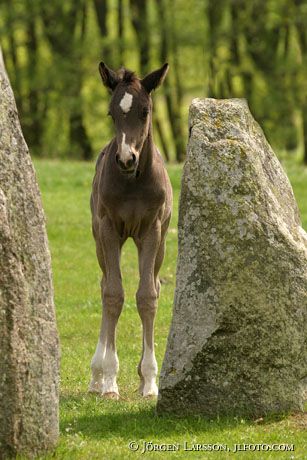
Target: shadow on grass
97	419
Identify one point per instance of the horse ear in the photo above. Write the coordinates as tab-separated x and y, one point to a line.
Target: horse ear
109	77
155	79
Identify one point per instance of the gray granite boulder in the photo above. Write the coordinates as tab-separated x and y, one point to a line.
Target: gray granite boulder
237	344
29	354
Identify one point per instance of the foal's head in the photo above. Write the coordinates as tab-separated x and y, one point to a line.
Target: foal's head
130	109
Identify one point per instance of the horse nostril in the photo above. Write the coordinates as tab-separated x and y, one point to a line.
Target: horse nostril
129	163
125	164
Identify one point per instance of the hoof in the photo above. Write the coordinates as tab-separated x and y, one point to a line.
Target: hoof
94	391
141	389
95	388
111	395
150	397
150	391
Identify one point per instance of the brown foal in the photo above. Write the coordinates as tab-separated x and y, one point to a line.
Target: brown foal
131	197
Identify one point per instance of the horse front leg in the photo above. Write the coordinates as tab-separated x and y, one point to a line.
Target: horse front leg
146	299
96	384
105	362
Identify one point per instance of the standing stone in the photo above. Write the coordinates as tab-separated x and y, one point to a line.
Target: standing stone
29	356
237	344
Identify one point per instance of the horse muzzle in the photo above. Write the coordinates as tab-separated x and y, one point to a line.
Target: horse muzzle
127	166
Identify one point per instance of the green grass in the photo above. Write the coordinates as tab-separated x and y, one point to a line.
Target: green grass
90	426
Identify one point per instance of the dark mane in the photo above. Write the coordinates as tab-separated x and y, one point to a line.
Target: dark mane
128	76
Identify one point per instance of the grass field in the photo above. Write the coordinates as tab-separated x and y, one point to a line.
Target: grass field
92	428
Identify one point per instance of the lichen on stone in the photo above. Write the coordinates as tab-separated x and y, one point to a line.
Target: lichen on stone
237	343
29	367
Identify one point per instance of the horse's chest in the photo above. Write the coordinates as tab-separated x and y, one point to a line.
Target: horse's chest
134	218
133	209
129	211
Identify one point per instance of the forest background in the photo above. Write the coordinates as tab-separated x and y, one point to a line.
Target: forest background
222	48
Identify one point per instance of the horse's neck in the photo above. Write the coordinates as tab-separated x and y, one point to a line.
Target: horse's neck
148	150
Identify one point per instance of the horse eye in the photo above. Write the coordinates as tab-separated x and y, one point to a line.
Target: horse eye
145	112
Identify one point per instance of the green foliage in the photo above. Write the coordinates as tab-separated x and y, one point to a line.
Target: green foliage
90	426
218	48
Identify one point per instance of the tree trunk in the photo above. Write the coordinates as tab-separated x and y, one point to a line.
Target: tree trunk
278	107
78	135
68	49
101	9
215	11
12	52
178	96
139	16
301	17
120	10
173	109
35	118
304	116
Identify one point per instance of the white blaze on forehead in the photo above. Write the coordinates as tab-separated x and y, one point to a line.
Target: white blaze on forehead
126	102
